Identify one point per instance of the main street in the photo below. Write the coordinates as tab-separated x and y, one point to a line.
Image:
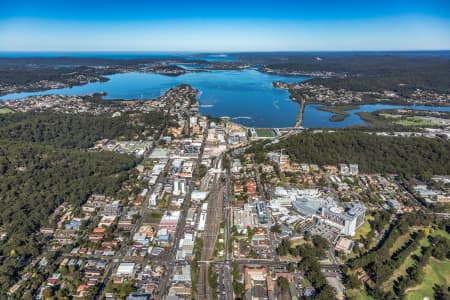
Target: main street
170	262
120	254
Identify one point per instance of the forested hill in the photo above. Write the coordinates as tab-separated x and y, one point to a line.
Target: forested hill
396	71
79	130
43	163
416	156
35	179
402	74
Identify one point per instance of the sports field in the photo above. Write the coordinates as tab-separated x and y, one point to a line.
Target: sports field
264	132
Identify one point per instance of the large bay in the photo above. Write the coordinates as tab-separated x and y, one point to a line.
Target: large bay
247	96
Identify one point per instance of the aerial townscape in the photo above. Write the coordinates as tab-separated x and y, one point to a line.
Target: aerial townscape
252	174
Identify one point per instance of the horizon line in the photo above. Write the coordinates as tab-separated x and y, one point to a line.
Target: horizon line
218	51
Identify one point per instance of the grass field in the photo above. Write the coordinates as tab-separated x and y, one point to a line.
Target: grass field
416	121
264	132
364	229
359	294
5	110
441	232
436	272
409	261
400	242
298	242
384	119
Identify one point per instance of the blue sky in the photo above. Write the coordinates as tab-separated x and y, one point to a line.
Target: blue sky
173	25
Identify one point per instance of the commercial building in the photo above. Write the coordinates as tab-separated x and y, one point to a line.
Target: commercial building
126	270
258	284
112	209
179	187
261	210
182	274
243	218
353	168
202	219
159	153
344	245
348	169
311	204
198	196
170	220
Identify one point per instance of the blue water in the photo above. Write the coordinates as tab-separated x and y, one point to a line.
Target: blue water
313	117
247	96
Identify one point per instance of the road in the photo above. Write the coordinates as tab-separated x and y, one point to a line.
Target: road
170	262
120	254
264	262
262	196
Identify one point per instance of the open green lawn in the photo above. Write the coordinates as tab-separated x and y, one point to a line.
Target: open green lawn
409	261
441	232
264	132
437	272
364	229
299	241
416	121
390	116
400	242
5	110
359	294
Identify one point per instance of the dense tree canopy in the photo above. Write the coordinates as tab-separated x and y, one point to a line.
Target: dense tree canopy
35	179
78	130
364	72
43	163
411	156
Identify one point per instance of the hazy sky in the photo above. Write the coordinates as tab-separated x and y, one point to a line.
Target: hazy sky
172	25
